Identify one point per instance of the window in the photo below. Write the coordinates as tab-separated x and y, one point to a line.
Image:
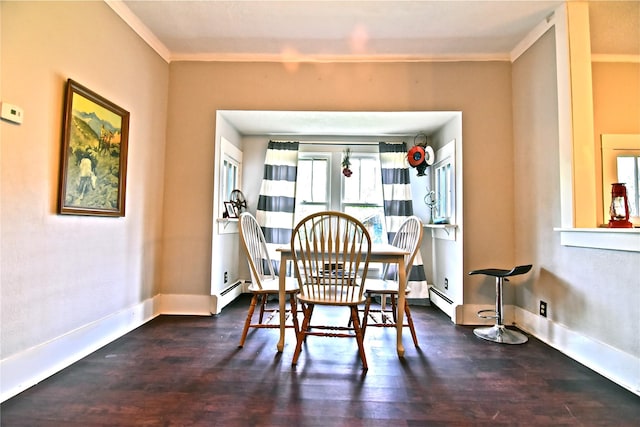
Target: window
442	210
444	185
322	186
229	176
230	179
621	163
627	167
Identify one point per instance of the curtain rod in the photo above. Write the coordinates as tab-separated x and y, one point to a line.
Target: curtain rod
338	142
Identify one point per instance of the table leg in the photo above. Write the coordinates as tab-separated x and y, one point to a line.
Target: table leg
282	301
400	307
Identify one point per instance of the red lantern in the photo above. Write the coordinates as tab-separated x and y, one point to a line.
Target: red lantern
619	209
416	156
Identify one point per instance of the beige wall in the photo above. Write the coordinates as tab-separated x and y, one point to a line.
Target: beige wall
62	273
591	292
616	107
482	91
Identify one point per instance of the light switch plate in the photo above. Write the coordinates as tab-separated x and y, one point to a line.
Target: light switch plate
12	113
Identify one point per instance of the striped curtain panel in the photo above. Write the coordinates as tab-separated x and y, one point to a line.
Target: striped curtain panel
398	205
277	200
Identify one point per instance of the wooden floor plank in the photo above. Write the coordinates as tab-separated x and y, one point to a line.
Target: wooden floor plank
188	371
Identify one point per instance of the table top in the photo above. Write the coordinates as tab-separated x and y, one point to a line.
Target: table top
378	249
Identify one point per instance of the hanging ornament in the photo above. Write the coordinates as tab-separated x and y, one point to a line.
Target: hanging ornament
346	163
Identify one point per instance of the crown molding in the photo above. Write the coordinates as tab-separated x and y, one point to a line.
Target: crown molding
603	57
142	30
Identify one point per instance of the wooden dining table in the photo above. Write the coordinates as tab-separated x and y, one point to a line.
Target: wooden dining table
383	253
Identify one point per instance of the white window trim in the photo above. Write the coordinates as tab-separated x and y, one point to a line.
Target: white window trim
228	151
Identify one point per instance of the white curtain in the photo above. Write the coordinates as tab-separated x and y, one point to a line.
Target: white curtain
398	205
277	200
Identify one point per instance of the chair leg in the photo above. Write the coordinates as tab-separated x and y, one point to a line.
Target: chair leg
247	322
301	335
407	312
294	312
394	308
365	317
359	336
263	306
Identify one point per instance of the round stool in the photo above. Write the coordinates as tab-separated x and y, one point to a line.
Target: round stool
498	332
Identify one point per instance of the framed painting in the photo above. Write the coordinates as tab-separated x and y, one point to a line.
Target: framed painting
93	170
230	210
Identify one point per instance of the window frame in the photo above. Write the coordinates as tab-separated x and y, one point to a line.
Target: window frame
334	152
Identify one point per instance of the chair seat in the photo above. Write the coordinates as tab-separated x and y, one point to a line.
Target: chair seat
272	286
334	299
379	286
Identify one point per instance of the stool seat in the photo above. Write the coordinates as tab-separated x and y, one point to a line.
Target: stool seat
498	272
498	332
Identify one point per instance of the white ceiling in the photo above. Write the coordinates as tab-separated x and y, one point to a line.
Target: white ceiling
358	30
337	123
334	30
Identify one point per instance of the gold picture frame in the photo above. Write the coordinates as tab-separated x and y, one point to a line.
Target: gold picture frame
93	167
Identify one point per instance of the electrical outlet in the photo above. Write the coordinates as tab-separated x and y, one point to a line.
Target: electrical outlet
543	309
446	283
226	277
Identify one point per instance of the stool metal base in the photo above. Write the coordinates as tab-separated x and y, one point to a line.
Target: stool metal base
500	334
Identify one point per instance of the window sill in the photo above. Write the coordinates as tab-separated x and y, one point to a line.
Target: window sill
442	231
617	239
227	225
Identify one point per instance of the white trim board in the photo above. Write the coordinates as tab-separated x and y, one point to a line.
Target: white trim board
29	367
620	367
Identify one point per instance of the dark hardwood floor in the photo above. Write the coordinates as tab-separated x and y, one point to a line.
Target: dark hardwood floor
188	371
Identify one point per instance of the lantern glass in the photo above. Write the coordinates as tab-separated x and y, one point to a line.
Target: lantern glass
619	210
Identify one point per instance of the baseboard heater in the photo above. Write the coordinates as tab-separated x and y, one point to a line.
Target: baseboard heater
440	294
226	296
442	301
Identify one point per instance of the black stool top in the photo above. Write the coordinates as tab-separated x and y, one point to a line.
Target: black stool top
497	272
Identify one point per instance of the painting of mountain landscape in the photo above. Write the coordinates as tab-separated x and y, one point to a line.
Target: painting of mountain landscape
94	154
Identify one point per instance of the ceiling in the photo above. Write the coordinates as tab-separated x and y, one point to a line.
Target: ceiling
339	30
357	30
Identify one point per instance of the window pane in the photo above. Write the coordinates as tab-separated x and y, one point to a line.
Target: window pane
628	174
311	186
303	181
443	193
365	184
229	179
373	219
359	195
351	185
319	182
371	183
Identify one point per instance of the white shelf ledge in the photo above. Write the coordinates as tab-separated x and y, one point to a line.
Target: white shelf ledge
443	226
617	239
227	219
442	231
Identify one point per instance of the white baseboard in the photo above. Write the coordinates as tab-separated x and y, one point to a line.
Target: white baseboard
29	367
620	367
186	305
